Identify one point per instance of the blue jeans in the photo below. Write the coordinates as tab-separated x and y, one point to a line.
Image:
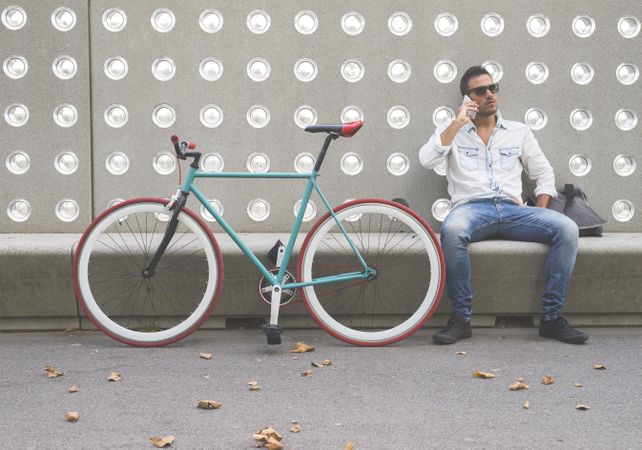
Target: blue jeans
501	219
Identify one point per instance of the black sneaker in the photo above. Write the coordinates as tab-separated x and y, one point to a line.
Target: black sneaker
560	329
455	330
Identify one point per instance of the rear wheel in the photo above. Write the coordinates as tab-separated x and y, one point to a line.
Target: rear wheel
408	265
131	306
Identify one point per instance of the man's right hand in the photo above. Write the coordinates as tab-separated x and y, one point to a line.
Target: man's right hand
466	106
462	119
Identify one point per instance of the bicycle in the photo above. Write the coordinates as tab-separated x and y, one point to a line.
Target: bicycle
148	271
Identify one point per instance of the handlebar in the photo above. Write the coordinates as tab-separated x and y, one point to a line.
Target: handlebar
181	147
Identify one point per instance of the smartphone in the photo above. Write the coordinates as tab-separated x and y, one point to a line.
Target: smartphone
470	113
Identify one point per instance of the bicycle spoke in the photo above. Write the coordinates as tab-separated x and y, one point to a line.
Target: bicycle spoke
359	235
128	256
343	288
126	221
124	302
112	279
340	245
128	290
151	237
176	241
198	250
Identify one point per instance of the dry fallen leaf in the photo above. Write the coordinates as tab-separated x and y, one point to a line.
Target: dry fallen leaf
307	373
260	438
582	407
480	374
114	376
548	379
270	432
518	385
460	353
327	362
72	416
209	404
269	437
71	329
302	348
73	389
578	384
527	404
164	442
348	446
316	364
53	372
273	444
254	386
296	427
599	366
205	355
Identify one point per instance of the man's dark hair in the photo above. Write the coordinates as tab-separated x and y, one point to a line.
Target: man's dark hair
472	72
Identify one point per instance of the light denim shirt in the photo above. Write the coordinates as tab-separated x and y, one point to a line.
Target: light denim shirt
475	170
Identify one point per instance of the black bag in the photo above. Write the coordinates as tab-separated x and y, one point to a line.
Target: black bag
573	203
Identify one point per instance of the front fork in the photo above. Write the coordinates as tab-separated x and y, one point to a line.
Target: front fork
176	205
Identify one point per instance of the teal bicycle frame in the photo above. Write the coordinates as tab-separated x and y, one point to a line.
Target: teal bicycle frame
272	330
188	186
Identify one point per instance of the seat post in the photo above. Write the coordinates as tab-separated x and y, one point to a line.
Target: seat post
331	136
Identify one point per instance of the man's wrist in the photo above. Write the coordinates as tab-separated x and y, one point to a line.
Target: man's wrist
542	200
459	122
448	135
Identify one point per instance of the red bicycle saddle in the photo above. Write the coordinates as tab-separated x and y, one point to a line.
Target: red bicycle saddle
344	129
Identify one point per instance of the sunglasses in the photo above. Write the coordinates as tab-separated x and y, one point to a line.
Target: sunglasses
481	90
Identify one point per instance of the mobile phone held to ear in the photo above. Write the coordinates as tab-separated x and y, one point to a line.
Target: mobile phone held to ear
469	113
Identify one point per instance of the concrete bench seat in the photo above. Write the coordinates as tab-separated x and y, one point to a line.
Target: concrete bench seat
36	289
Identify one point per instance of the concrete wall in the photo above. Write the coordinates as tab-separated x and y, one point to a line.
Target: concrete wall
93	95
56	176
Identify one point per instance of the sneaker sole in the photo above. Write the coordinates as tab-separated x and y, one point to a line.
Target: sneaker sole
576	340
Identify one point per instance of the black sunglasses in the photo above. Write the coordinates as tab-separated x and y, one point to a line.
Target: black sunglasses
481	90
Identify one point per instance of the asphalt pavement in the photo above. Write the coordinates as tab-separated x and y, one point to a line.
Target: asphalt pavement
410	395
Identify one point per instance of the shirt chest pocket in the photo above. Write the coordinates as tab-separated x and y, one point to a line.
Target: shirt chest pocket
508	157
469	158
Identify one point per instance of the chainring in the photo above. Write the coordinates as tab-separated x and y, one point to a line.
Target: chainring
265	288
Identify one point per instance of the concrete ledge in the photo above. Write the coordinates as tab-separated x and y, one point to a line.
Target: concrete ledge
36	289
508	276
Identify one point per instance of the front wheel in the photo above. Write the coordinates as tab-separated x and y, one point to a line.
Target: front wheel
139	308
407	272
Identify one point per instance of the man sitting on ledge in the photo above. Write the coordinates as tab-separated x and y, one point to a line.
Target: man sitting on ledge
485	156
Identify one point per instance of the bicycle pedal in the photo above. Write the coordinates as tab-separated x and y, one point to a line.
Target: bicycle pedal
273	333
